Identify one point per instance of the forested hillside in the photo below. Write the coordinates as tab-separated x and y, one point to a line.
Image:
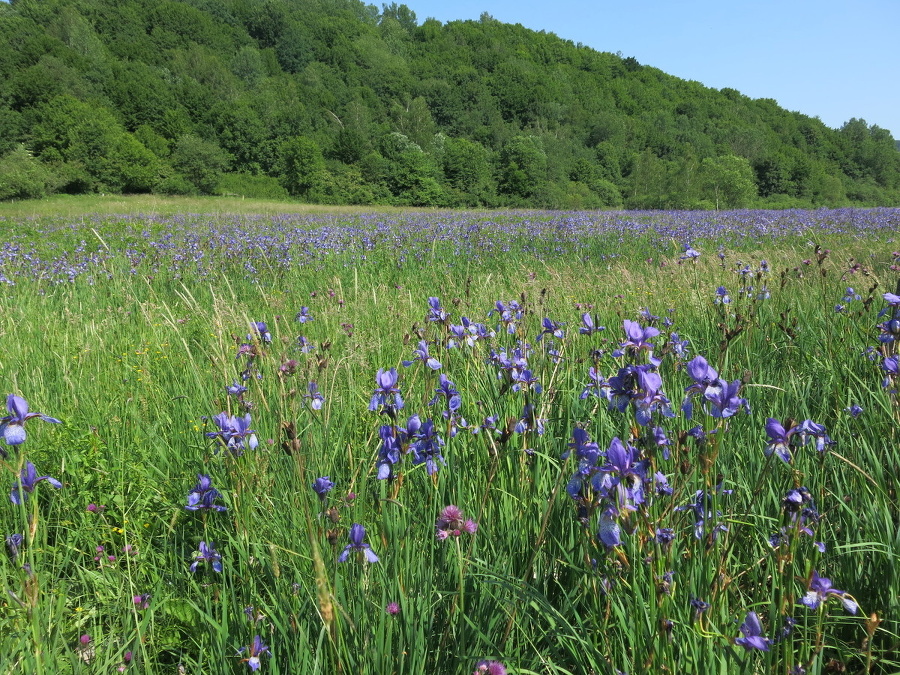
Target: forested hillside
336	101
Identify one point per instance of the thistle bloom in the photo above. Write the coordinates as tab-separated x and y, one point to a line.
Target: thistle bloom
12	427
752	632
357	534
255	650
392	608
451	522
27	482
489	668
820	588
207	554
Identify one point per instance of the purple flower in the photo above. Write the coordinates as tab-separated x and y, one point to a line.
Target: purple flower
451	522
234	432
608	530
262	330
597	386
489	668
809	430
421	354
12	427
207	554
357	534
436	312
390	451
392	608
315	397
779	440
256	649
752	632
27	482
722	297
142	601
13	542
322	486
820	588
303	315
203	496
551	328
236	390
589	326
386	393
855	410
426	447
690	253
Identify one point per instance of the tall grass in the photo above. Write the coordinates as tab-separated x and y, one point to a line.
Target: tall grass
127	330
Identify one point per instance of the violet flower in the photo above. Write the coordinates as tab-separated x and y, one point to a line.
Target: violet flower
357	535
207	554
452	522
386	393
820	589
421	354
27	482
12	427
322	486
255	650
203	495
752	632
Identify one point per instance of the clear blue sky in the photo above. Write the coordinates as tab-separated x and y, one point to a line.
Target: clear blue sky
835	59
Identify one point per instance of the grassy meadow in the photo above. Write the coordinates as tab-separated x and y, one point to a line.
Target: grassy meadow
604	529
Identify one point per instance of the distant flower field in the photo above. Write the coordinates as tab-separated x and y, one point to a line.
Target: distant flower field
451	442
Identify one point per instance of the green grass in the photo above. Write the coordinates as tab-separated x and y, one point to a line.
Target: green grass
137	364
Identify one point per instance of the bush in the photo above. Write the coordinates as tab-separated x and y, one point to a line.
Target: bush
249	185
24	177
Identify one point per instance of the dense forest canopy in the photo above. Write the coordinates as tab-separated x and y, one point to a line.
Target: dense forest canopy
336	101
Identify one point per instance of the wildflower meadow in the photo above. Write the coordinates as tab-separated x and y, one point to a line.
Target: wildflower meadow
451	442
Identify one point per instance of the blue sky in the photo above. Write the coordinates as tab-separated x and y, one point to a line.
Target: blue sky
835	59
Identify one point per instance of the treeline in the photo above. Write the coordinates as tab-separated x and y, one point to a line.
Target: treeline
335	101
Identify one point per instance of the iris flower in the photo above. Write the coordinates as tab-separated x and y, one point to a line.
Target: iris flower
357	535
27	482
207	554
203	495
421	354
12	427
820	588
386	393
752	632
255	650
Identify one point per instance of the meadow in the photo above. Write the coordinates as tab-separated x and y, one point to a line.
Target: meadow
670	440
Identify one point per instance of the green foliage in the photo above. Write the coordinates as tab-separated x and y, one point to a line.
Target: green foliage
302	167
201	162
24	177
728	181
251	185
250	75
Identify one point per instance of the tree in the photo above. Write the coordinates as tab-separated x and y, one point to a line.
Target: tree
200	161
302	167
523	167
728	181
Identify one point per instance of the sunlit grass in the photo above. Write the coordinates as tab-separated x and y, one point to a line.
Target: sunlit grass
135	355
